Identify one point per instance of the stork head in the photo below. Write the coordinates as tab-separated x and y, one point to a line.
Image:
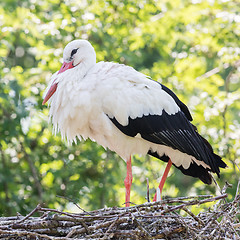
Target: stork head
78	53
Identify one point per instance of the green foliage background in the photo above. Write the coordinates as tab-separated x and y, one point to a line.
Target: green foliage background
190	46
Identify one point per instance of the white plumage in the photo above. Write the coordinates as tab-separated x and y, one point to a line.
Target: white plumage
88	95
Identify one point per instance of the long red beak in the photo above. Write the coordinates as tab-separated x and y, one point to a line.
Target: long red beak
53	87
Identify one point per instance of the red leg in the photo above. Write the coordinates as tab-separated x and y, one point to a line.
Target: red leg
128	182
163	179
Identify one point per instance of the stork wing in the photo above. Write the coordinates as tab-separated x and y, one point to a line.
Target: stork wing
172	130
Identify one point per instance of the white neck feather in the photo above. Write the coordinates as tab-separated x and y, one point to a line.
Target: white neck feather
85	60
82	69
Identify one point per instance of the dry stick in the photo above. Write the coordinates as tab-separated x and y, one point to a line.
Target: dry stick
78	227
130	203
237	165
73	231
238	183
29	234
85	226
188	227
109	229
237	190
79	218
194	202
141	228
159	204
101	225
148	198
198	196
70	200
166	234
56	211
72	215
236	225
171	200
215	182
31	213
193	216
224	189
129	234
94	228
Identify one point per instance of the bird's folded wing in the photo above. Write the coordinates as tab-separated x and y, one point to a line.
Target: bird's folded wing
149	109
174	131
152	110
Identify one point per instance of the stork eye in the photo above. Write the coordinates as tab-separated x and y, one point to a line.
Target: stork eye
74	51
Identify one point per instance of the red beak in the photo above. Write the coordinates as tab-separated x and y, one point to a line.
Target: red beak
65	67
53	87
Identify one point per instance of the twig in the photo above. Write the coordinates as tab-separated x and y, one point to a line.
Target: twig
70	200
165	234
142	228
109	229
36	209
148	198
215	182
225	187
237	190
130	203
29	234
194	202
193	216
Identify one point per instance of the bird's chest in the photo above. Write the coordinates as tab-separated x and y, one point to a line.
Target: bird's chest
79	114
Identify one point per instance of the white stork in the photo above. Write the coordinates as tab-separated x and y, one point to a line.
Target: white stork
127	112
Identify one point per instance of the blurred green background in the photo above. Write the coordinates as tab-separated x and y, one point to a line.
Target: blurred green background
190	46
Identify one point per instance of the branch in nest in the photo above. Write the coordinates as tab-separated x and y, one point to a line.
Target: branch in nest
146	221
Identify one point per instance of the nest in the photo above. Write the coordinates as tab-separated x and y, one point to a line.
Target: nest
166	219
